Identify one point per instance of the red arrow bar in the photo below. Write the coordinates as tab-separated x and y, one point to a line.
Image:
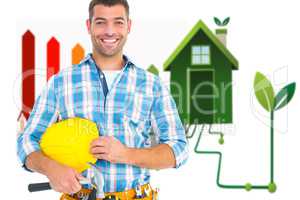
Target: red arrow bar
28	64
53	51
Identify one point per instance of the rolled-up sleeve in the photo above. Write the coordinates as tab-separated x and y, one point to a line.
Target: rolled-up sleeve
43	114
166	123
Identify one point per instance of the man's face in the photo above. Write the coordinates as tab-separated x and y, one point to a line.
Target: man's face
109	28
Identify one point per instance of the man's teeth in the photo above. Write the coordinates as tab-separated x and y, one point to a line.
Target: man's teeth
109	40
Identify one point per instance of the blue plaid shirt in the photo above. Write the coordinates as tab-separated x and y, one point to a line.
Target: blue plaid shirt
137	103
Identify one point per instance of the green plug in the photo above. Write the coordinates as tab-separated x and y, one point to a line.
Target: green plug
272	187
248	187
221	139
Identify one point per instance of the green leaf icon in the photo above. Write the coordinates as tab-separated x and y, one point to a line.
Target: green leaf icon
217	21
284	96
264	91
226	21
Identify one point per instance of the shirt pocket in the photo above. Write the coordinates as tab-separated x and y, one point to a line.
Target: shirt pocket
79	100
137	107
135	120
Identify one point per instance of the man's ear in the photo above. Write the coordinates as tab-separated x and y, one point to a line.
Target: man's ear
129	25
88	26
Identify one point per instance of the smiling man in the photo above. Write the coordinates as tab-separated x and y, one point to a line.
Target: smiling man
124	100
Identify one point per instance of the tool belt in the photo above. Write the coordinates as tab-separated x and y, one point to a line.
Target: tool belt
126	195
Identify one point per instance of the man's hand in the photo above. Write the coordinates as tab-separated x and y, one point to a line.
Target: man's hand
63	179
110	149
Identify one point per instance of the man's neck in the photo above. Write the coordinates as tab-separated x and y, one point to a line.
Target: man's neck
109	63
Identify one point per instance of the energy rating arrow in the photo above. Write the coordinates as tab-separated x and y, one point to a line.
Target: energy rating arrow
77	54
53	52
28	65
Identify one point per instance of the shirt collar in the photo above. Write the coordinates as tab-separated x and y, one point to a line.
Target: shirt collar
89	59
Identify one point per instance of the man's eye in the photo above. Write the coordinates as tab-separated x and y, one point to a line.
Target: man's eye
119	22
99	22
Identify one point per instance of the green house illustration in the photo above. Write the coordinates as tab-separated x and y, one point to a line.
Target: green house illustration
153	70
201	76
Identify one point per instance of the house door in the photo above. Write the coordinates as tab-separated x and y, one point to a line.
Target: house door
200	95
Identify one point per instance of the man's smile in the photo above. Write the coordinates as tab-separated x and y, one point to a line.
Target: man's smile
109	41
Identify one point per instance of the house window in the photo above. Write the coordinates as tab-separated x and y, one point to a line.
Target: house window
200	55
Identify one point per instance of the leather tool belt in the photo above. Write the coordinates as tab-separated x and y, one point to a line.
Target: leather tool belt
146	190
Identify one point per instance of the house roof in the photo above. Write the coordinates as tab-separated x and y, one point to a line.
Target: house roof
201	26
153	69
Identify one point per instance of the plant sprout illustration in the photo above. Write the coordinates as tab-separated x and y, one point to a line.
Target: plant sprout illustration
264	93
219	23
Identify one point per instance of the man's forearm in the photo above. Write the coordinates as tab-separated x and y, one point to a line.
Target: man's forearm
38	162
158	157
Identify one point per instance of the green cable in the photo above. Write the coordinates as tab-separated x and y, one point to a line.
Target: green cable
271	187
193	132
221	139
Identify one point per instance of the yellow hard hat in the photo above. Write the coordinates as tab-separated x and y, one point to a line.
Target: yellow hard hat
68	142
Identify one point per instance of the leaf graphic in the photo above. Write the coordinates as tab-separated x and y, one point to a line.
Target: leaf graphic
284	96
264	91
217	21
226	21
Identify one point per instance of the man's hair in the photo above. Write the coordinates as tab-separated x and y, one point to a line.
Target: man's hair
108	3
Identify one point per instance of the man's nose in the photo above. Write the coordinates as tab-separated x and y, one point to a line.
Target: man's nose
110	30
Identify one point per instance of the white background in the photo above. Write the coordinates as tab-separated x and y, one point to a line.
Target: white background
263	36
